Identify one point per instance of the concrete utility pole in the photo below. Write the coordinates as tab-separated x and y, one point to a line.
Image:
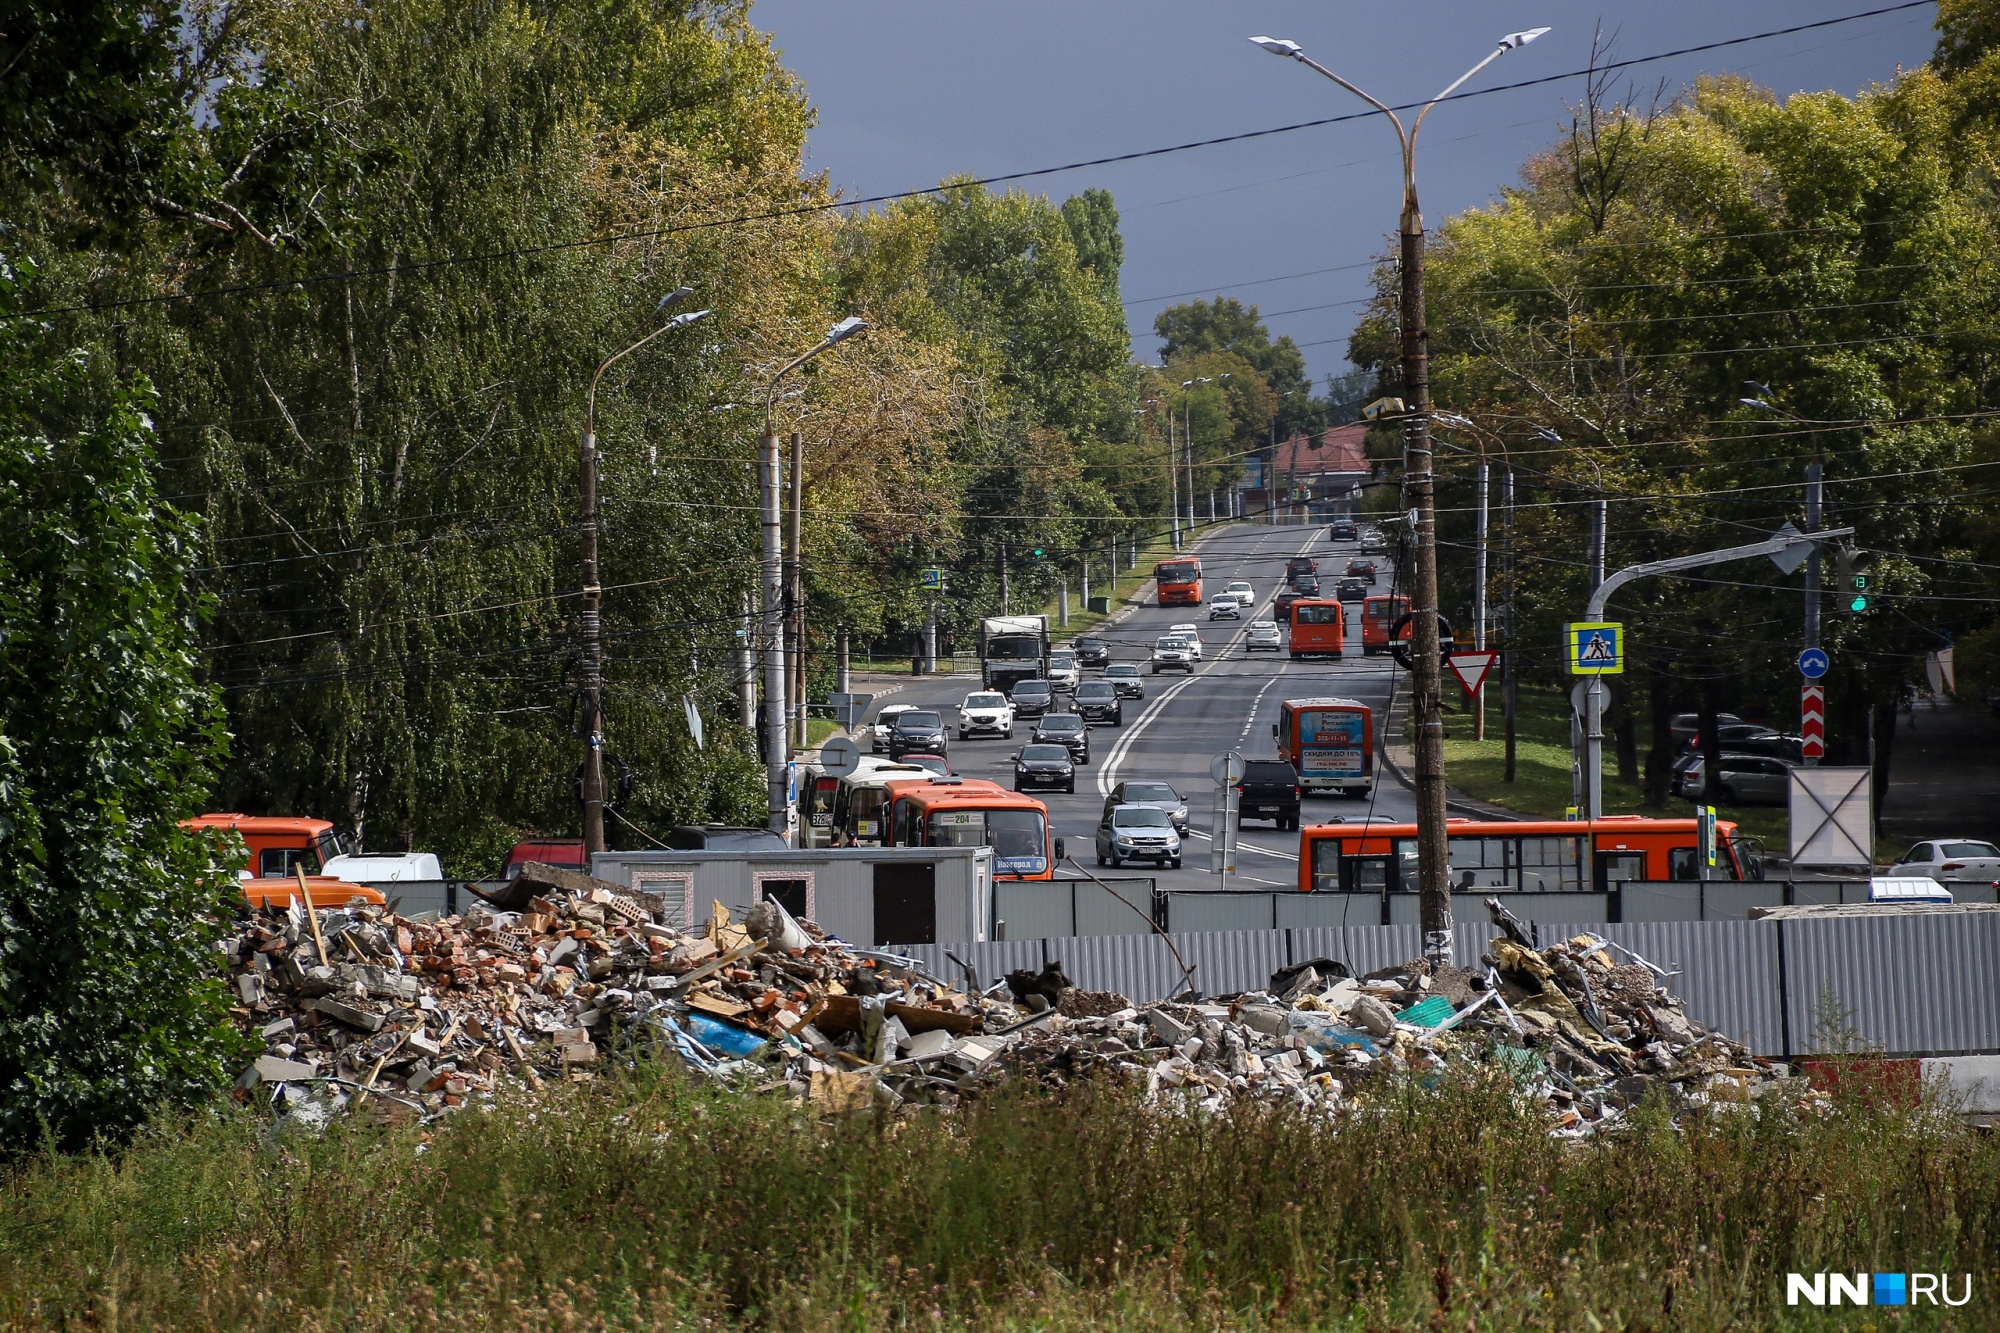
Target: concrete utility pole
795	593
1419	485
1593	761
777	755
593	591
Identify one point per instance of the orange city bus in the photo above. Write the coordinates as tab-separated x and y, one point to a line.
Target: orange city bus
1529	856
1378	616
1319	627
972	812
1179	581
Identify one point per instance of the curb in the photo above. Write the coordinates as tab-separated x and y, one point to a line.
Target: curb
1453	800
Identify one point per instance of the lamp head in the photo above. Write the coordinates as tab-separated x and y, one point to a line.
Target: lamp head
1514	39
683	320
1756	402
1547	435
673	298
846	329
1279	46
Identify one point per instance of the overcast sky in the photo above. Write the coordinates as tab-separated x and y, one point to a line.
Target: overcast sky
910	91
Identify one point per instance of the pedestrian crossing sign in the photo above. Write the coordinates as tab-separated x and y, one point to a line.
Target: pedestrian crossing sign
1595	648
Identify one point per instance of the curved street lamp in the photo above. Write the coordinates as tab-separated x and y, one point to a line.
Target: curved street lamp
593	590
1419	483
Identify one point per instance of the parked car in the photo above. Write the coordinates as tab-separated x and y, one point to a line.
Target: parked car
1161	794
1125	676
885	722
1774	746
917	731
1065	729
1225	608
1064	672
985	713
1351	590
1190	631
1342	530
1137	833
1948	861
1747	779
1362	569
1044	767
1032	698
1091	651
1170	653
1688	724
1263	634
1300	564
1098	701
1240	589
1734	734
1269	790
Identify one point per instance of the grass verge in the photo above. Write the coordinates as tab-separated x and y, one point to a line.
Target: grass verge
1541	783
637	1202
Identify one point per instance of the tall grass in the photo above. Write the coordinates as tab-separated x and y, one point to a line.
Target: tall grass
642	1203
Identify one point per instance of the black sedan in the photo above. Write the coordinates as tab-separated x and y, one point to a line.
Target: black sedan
1098	701
1044	767
1067	730
917	731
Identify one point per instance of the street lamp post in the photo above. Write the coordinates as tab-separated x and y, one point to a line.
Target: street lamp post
1433	867
770	479
592	785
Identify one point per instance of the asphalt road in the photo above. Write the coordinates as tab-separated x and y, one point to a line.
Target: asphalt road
1230	702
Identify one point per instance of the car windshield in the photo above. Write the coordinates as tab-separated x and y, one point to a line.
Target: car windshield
1062	659
1036	687
984	701
1150	791
1062	722
1143	817
1094	689
916	718
1044	754
1958	849
1086	645
1171	641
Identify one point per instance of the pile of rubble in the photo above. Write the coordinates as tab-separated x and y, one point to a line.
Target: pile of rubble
360	1008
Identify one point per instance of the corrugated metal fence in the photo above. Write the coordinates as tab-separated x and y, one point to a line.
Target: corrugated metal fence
1913	985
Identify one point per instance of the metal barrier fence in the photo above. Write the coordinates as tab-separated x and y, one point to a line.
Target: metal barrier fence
1906	985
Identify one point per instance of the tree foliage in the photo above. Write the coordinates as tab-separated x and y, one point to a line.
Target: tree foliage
110	913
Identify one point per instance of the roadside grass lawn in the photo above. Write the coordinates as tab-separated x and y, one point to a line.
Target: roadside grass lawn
1542	784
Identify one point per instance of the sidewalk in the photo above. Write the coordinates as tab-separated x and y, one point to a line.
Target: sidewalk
1944	776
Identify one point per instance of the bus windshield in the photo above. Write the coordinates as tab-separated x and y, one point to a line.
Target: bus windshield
1019	838
1179	571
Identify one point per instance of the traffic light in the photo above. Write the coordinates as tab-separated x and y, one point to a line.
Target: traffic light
1038	553
1851	580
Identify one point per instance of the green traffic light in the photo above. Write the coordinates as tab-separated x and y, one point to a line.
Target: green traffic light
1860	603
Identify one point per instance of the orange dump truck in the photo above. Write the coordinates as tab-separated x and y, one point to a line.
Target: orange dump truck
282	846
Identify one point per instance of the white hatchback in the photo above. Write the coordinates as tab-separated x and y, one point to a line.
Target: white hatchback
1225	607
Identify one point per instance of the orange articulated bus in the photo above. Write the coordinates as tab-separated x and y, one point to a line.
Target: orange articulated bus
1531	856
1319	627
972	812
1179	581
1378	616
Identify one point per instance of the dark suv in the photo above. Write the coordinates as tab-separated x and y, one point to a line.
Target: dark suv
1099	701
1091	651
1269	790
1032	698
918	731
1361	569
1065	729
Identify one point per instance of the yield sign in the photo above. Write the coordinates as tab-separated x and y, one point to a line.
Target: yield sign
1471	668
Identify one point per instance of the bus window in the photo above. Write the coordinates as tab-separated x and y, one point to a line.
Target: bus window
1314	614
1681	863
1019	838
1326	865
1550	865
1406	866
1481	863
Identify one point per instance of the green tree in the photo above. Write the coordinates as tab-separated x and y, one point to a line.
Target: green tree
1227	325
110	913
